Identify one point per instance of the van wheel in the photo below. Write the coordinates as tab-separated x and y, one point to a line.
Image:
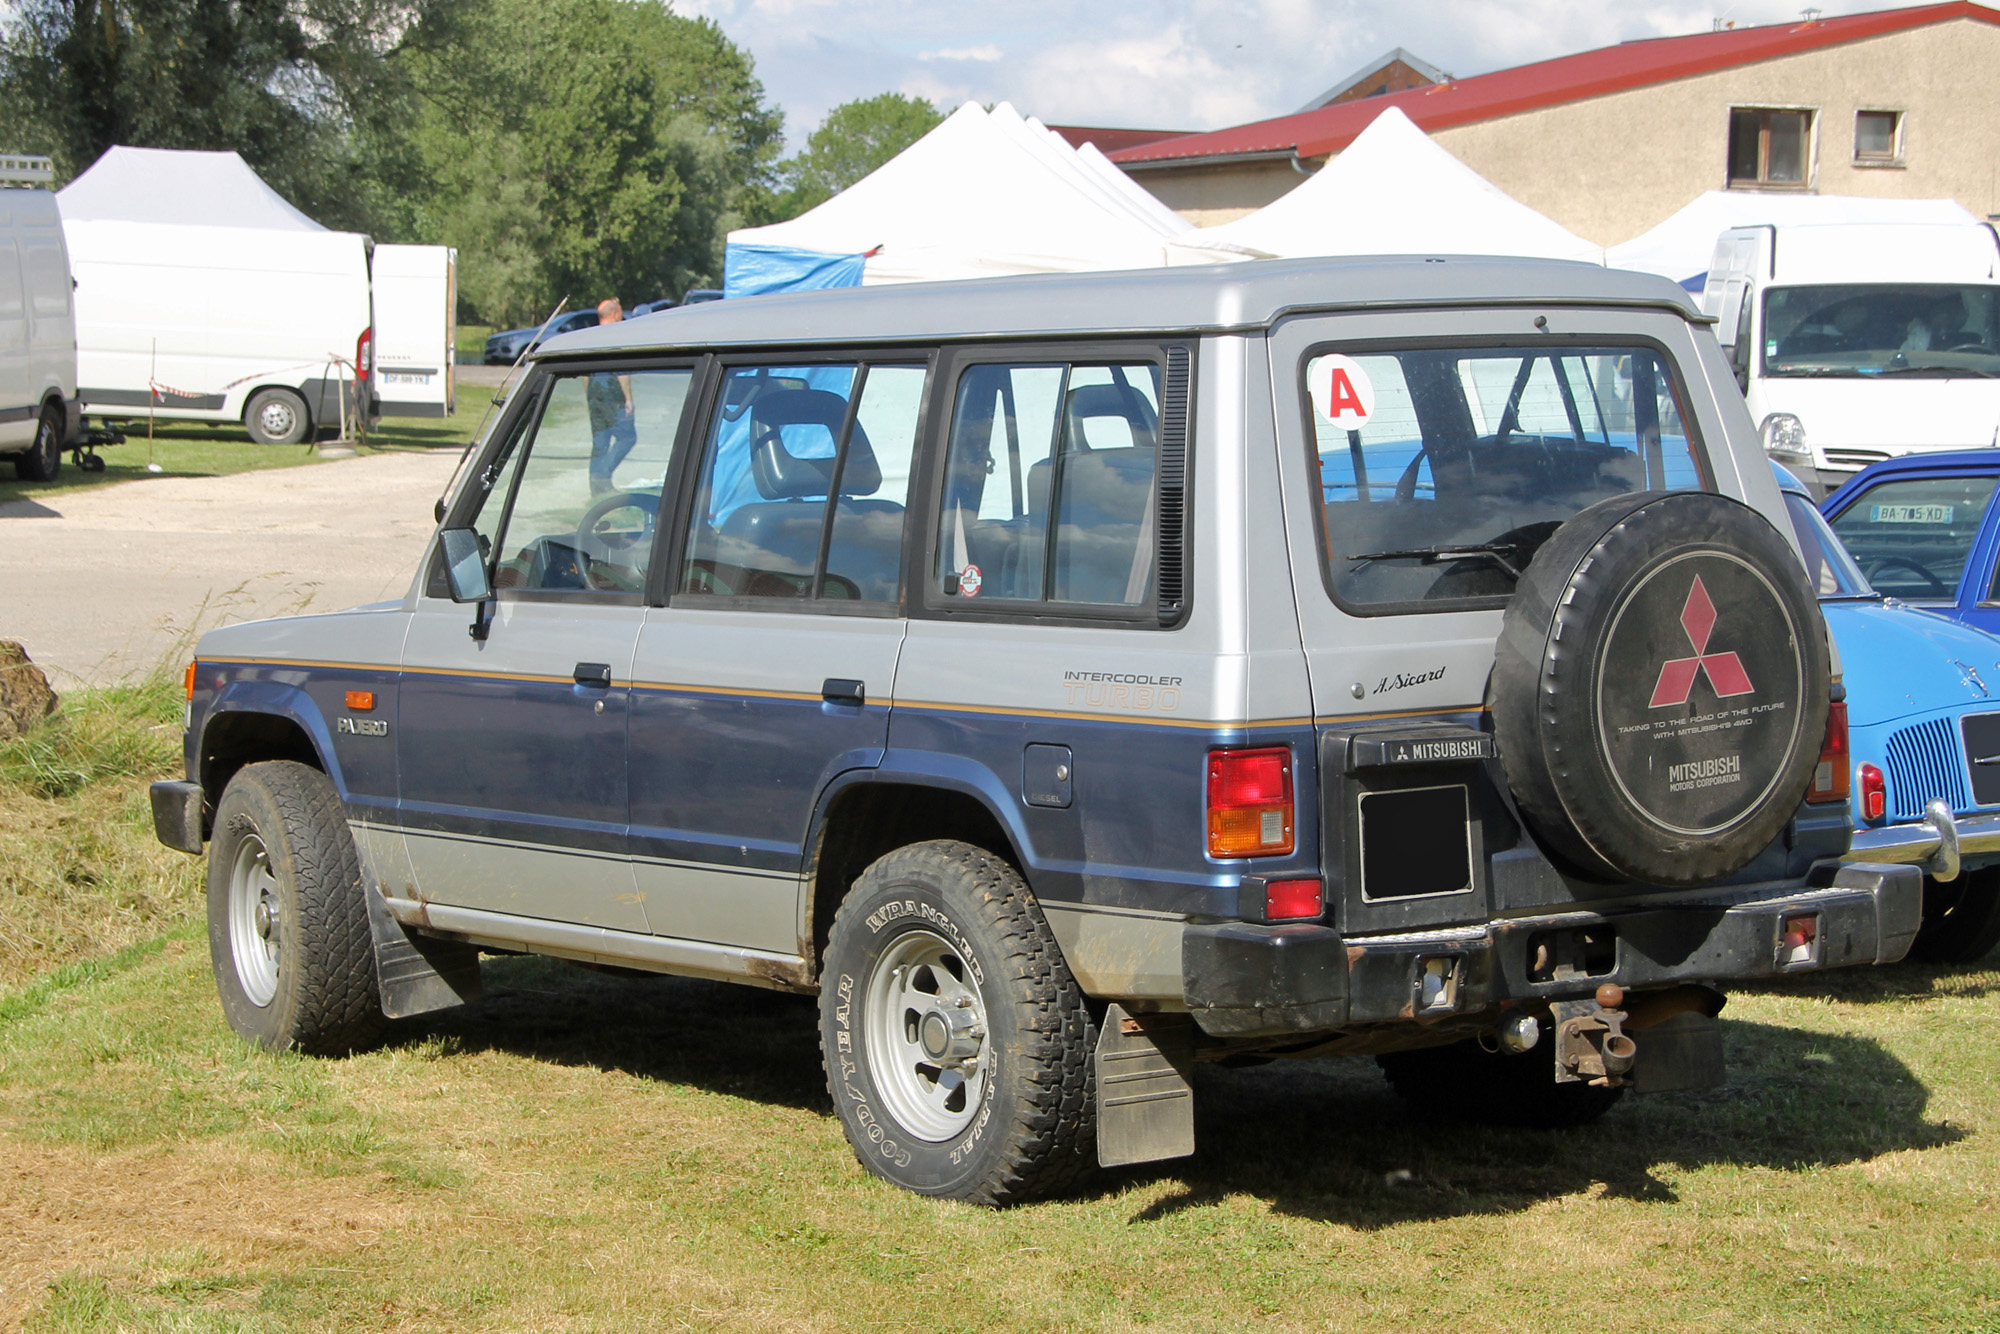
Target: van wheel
1961	918
277	417
1466	1082
957	1045
287	921
43	461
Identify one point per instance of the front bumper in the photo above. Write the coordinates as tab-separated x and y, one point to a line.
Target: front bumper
1937	844
1244	980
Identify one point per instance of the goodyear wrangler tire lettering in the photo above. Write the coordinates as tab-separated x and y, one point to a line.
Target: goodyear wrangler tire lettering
957	1045
1661	688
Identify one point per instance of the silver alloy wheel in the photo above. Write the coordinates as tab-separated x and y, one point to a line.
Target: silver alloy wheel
255	924
925	1036
277	418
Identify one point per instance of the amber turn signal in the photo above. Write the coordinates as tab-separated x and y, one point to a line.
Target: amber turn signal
361	701
188	683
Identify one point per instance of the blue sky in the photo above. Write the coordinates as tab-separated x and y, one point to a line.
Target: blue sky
1178	64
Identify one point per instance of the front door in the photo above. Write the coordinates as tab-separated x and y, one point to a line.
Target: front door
512	750
769	672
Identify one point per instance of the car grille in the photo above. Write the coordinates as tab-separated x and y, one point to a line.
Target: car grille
1855	459
1924	765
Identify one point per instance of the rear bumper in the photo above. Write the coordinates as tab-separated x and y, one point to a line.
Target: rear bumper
1936	844
1243	980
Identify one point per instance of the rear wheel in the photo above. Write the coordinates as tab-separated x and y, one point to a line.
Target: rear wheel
287	920
43	461
957	1045
1961	918
1466	1082
277	417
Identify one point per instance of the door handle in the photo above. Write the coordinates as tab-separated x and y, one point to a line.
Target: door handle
838	690
594	674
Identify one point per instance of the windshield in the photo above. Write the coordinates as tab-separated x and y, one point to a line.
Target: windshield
1831	570
1442	470
1853	329
1911	536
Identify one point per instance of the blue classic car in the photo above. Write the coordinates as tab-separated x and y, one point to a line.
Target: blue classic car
1923	718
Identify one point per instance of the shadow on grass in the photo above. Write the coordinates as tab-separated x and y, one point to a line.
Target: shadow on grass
1321	1139
1896	982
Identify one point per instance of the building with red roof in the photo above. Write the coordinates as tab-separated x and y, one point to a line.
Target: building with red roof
1901	103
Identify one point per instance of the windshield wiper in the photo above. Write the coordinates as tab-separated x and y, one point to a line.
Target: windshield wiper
1934	370
1432	555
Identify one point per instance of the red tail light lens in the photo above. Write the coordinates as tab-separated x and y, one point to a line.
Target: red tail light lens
1250	802
1874	792
1830	778
364	355
1287	899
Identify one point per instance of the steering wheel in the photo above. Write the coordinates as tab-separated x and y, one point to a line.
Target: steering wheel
618	548
1904	562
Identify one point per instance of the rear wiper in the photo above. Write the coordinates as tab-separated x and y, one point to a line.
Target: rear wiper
1432	555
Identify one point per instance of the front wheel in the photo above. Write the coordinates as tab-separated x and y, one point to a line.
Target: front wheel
287	921
276	417
957	1045
43	461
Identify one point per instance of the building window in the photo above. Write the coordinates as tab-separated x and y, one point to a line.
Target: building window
1878	136
1769	147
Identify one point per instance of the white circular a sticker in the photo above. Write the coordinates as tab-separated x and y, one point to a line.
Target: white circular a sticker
1340	391
969	580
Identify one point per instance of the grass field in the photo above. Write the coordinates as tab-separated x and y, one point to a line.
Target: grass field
584	1152
188	449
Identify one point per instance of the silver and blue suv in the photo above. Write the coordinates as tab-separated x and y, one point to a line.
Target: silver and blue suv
1071	680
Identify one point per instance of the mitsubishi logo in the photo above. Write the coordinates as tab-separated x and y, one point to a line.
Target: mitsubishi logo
1725	670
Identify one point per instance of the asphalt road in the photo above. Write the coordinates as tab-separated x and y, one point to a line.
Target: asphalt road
102	585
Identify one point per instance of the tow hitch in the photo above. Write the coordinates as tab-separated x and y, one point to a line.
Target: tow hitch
1591	1044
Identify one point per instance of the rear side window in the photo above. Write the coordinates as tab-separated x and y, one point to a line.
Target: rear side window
1052	475
1911	536
1442	470
805	483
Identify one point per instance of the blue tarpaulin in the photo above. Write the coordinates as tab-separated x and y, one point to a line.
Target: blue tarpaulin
749	270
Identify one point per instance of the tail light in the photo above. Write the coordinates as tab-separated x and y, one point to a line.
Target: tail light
1874	792
1250	802
1830	778
364	356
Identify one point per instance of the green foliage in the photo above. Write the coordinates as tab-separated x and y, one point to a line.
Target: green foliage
584	148
854	139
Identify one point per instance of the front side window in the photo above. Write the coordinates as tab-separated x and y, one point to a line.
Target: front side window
1442	470
1911	537
1051	485
571	505
1839	330
805	483
1769	147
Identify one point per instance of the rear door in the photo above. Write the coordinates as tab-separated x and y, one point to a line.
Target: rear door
769	671
512	744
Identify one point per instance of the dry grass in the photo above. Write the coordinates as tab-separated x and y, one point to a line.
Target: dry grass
580	1152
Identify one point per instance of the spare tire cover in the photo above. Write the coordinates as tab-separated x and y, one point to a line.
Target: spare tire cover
1661	688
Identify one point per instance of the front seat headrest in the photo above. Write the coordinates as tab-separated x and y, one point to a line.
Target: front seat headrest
783	475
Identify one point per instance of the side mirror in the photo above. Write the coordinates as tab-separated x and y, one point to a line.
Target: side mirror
465	565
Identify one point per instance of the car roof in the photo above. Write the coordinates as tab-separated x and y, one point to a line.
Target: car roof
1208	297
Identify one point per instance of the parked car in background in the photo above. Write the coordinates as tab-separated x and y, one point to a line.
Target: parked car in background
1922	717
648	307
506	347
38	408
696	295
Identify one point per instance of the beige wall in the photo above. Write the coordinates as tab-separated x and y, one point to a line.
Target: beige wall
1614	166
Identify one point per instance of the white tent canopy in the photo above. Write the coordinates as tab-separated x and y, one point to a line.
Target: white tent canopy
1680	247
1392	192
181	187
983	194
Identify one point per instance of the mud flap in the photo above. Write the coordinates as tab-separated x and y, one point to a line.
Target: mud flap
1145	1106
1679	1055
418	974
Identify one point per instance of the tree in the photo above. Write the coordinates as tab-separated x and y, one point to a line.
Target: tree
586	148
854	139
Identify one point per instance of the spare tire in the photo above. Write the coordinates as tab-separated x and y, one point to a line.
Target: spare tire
1661	688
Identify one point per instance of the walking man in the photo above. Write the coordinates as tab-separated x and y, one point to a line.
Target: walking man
612	433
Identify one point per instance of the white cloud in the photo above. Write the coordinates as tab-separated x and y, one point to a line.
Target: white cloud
1165	64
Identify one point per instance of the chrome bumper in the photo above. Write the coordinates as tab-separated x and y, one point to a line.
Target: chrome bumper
1937	843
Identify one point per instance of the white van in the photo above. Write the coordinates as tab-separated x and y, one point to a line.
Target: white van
38	411
416	330
220	324
1857	342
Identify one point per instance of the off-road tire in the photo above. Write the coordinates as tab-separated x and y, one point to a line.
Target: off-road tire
1961	918
268	409
1466	1082
43	461
1032	1132
326	1001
